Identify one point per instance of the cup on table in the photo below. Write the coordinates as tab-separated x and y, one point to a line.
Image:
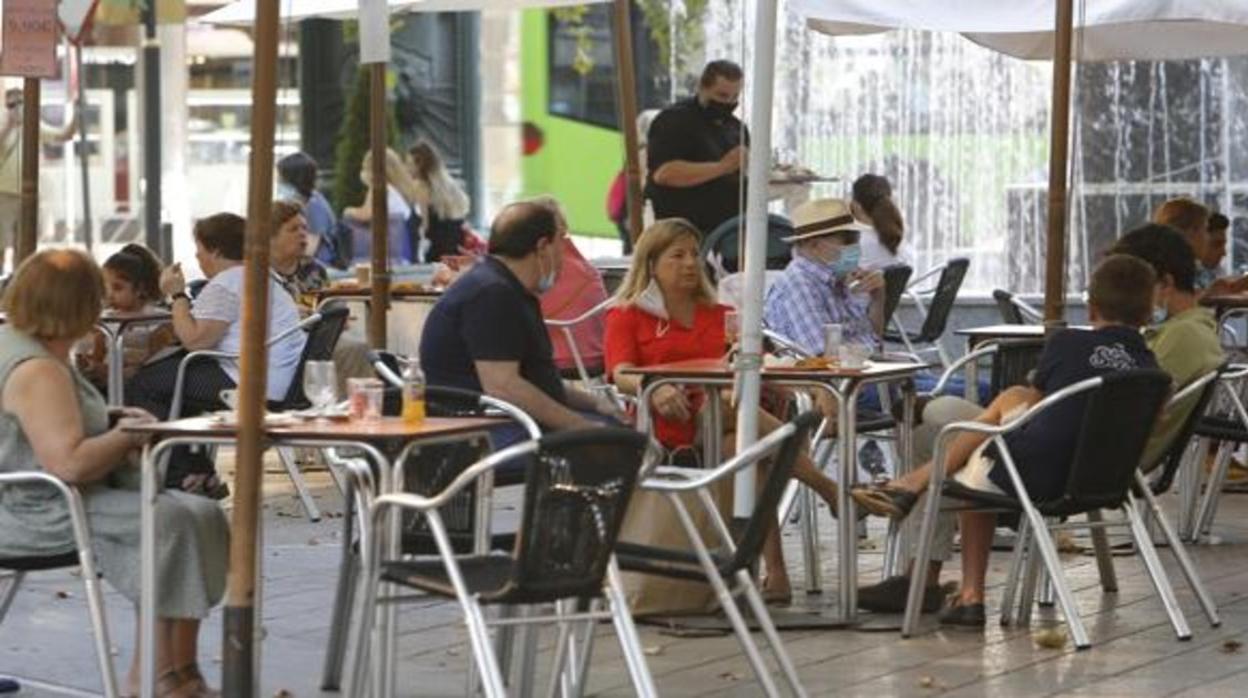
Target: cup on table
363	274
364	399
854	355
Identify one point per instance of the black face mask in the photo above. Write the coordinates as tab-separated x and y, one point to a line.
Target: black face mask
717	108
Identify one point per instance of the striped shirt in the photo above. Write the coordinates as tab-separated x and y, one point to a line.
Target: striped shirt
808	296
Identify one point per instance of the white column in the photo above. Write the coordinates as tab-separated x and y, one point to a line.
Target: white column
174	88
761	76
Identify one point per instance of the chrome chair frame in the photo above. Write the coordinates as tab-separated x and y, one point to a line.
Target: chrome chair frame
1034	528
86	559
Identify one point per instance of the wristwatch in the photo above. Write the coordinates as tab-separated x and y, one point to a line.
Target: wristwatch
179	294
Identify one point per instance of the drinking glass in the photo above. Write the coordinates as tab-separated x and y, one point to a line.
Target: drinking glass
320	385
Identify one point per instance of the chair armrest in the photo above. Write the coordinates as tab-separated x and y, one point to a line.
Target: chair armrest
759	450
915	281
979	353
175	404
570	322
305	325
471	473
997	431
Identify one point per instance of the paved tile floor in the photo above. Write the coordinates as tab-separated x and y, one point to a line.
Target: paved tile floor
45	642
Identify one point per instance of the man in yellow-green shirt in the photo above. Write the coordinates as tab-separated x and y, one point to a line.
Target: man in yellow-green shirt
1184	336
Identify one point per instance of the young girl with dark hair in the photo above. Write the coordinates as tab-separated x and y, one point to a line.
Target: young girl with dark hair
131	285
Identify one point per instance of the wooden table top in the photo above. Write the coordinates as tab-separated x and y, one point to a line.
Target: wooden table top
312	430
1226	301
718	368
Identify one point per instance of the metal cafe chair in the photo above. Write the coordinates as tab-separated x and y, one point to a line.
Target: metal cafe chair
323	329
1014	310
896	278
82	556
721	562
1101	475
935	316
577	488
439	466
1230	428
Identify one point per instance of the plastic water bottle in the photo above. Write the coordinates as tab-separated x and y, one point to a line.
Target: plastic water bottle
413	393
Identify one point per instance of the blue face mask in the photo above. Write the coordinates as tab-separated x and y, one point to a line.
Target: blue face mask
1160	315
847	262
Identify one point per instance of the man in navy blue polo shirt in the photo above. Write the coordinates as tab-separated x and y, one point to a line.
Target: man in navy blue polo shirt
486	333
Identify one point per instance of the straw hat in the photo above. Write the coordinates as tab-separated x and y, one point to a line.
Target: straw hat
822	217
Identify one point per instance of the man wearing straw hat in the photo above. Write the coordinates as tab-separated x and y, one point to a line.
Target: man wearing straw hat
823	284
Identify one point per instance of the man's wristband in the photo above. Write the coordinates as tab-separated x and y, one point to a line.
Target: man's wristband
179	295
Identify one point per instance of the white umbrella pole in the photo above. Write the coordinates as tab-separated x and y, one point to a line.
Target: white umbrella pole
761	76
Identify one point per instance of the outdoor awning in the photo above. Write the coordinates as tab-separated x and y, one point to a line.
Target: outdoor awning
243	12
1108	30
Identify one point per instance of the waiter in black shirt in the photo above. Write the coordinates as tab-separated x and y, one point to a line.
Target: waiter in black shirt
696	151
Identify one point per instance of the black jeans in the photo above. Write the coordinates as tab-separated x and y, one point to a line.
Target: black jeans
152	389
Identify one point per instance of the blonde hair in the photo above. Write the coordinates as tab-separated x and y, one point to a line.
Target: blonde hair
55	294
397	175
435	189
654	241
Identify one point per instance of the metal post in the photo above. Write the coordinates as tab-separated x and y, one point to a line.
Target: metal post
380	301
750	359
152	205
88	236
626	107
1055	255
241	671
28	232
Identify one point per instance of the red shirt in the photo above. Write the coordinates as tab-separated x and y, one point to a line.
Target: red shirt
636	337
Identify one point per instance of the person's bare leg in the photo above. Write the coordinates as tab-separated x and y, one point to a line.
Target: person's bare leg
164	654
804	470
185	643
977	531
964	444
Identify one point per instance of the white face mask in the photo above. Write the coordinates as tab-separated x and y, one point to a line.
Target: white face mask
651	301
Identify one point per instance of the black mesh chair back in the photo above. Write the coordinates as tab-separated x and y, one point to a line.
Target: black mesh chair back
1010	314
1172	459
946	295
750	545
322	339
896	276
437	465
1117	421
577	490
724	241
1013	363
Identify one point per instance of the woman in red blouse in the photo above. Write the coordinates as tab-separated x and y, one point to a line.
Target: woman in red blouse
666	311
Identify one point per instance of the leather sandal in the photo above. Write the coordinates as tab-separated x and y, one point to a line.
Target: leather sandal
196	683
885	500
170	684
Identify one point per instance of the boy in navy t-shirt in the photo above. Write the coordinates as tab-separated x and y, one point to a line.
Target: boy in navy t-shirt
1120	301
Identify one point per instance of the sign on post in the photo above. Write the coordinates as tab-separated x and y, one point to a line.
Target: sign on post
30	29
374	31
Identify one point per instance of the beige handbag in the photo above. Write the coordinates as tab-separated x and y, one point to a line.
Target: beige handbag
652	520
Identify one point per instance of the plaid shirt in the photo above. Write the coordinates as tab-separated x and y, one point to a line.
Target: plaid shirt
807	297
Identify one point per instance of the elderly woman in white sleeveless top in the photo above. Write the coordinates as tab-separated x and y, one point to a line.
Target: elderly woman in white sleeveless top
53	420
